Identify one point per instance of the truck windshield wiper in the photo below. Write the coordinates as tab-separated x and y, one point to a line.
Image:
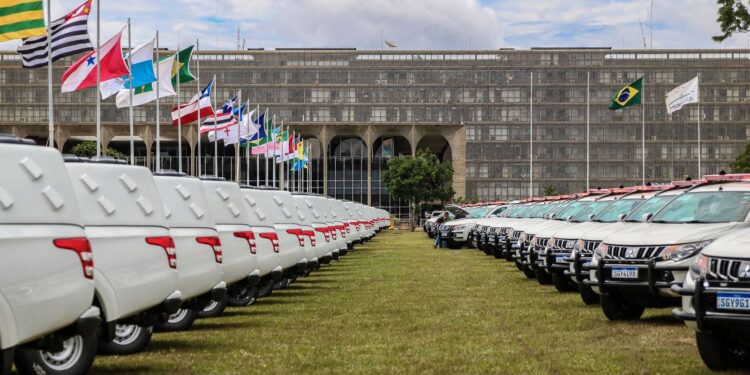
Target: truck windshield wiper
699	222
660	221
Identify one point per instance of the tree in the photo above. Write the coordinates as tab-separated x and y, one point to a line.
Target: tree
419	179
550	190
742	163
88	149
733	18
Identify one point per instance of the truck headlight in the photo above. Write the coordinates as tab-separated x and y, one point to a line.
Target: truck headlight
699	268
458	228
601	250
684	251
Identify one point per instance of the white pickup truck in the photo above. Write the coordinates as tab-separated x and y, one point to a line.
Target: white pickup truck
238	244
267	255
135	272
47	320
311	206
199	254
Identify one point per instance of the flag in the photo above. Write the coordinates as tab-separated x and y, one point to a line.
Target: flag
260	124
287	150
181	68
142	70
629	95
197	108
147	93
686	93
248	128
222	120
109	59
21	19
70	36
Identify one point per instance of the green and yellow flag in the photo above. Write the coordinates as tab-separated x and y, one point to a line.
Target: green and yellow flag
181	68
21	19
629	95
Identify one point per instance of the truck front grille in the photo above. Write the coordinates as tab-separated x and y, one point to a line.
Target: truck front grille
634	252
728	270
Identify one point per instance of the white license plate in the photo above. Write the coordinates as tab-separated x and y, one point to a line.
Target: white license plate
625	273
560	259
733	301
443	232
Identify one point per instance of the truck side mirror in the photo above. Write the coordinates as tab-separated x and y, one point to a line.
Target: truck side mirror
591	217
646	217
621	217
569	218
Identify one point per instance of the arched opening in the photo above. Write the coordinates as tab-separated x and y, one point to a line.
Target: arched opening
347	168
438	145
384	149
168	155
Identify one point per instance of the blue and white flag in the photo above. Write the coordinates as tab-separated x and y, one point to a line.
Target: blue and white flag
142	71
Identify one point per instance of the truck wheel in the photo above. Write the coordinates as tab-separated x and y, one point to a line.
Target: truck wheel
717	351
542	277
496	252
265	289
615	307
6	361
518	265
588	295
472	244
214	308
129	339
562	283
75	358
180	321
528	272
243	297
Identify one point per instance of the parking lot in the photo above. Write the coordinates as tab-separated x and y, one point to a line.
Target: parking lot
398	306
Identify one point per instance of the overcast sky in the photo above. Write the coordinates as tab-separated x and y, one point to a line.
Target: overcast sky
413	24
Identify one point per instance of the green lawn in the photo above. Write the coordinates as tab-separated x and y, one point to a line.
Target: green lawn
398	306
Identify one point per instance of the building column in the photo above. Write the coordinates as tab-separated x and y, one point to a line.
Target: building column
413	140
324	155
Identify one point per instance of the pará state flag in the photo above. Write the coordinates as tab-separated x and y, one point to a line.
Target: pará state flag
147	93
82	74
629	95
142	69
684	94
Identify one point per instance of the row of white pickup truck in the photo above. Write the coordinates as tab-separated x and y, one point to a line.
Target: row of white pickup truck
96	254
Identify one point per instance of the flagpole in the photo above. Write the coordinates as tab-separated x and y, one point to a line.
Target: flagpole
700	151
588	127
643	134
130	94
531	136
216	136
50	105
179	112
273	154
237	145
257	157
98	81
198	86
158	115
247	145
265	153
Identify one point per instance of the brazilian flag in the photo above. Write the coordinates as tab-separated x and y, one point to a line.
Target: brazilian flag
629	95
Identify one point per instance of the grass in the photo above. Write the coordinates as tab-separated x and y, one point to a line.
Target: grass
398	306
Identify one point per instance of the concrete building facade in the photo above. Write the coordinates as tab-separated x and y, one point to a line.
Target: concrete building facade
474	108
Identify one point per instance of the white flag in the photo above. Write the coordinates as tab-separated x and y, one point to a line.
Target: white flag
230	135
684	94
247	128
147	93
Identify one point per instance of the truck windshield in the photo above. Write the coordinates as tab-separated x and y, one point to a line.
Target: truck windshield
591	209
650	206
705	207
571	210
614	210
479	212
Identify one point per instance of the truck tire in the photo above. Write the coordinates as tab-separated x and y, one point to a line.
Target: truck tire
182	320
562	283
6	361
615	308
542	277
588	295
716	350
528	272
214	308
243	297
129	339
518	265
265	288
76	358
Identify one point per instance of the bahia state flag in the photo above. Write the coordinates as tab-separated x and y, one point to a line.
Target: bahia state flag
629	95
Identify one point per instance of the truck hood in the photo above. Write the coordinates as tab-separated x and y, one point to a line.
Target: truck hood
544	226
463	221
651	234
734	244
552	231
